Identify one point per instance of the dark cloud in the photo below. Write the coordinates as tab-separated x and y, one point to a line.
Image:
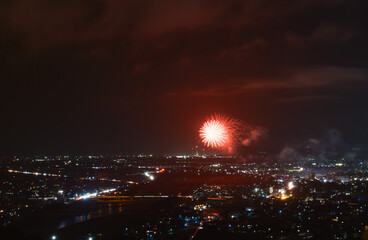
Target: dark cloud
325	33
133	72
305	79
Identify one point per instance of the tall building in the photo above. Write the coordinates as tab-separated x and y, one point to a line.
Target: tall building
308	151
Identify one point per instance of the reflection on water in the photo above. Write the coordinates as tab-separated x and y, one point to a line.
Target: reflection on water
120	208
102	211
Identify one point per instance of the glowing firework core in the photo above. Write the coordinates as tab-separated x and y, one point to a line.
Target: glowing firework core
214	133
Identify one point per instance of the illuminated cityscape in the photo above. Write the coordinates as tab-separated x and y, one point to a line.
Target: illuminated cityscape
182	197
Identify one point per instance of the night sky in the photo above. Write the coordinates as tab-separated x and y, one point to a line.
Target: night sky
141	76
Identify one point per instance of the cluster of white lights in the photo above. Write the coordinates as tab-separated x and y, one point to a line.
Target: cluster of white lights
291	185
86	196
92	195
36	173
151	177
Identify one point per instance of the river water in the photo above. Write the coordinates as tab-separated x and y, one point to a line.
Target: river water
102	211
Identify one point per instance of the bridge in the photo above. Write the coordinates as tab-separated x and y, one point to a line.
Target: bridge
108	198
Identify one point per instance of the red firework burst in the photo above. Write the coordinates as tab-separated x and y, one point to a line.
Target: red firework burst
218	131
214	134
